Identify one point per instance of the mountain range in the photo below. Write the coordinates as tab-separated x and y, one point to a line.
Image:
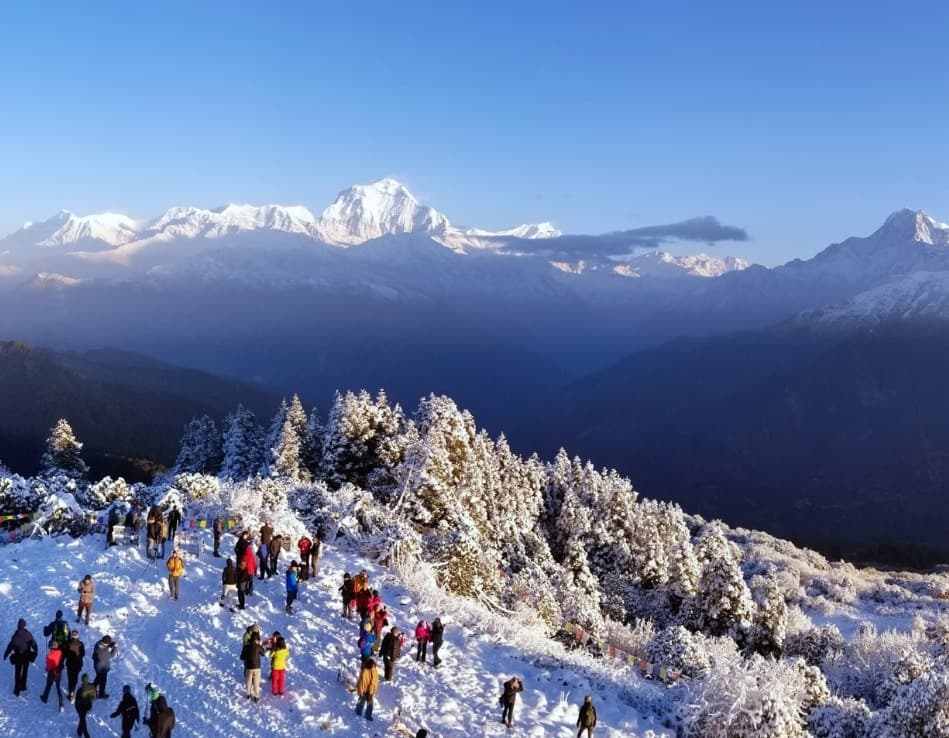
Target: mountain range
776	385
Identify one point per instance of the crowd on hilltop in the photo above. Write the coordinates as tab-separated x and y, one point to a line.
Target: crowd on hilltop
257	555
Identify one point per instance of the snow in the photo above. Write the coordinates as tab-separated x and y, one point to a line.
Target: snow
190	649
917	295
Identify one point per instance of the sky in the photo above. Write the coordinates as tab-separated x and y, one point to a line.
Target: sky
802	123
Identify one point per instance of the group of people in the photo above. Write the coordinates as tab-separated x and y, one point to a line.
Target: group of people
66	652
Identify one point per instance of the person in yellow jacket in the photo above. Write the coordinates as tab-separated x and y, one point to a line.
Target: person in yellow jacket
366	687
279	653
176	568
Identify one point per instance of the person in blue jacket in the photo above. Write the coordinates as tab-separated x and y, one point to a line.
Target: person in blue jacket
293	586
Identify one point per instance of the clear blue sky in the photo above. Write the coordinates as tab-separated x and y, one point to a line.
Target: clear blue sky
801	122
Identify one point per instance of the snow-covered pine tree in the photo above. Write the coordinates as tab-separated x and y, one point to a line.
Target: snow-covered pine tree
200	449
363	443
242	445
287	460
63	455
272	437
770	620
722	603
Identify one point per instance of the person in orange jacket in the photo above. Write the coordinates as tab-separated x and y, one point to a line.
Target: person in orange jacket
176	568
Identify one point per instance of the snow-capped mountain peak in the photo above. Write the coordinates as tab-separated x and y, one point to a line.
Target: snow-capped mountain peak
191	222
110	228
385	207
917	225
664	264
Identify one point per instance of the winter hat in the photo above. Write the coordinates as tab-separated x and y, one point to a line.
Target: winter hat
85	678
153	694
107	639
75	634
230	563
127	689
21	623
59	613
422	733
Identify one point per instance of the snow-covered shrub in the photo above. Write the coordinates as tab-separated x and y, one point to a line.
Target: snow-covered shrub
837	587
59	512
633	638
747	699
202	489
108	490
868	665
815	645
680	649
919	709
17	494
840	718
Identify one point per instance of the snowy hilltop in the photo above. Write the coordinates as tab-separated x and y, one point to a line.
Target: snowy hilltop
555	573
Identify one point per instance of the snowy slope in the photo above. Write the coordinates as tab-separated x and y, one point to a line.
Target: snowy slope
917	295
190	648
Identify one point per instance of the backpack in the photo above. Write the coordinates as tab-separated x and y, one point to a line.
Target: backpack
60	632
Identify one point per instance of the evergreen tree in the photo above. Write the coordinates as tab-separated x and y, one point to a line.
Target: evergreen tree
242	445
722	603
288	453
200	450
63	453
770	622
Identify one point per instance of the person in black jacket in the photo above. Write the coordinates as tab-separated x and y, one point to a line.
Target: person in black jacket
348	592
586	720
218	529
251	655
74	652
22	651
128	709
438	637
511	687
174	520
228	583
102	654
390	650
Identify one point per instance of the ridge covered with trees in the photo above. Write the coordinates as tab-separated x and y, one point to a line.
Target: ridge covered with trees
743	614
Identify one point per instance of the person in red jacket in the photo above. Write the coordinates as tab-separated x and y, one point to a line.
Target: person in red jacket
250	559
304	545
422	634
54	672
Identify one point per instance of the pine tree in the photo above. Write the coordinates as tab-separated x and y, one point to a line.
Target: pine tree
722	603
242	445
200	450
287	460
63	453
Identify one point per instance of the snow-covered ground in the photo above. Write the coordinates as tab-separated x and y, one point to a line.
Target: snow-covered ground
190	649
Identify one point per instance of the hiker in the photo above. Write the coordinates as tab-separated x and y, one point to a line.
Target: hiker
240	546
511	687
54	672
174	520
391	650
273	552
366	688
153	533
58	629
304	546
279	653
229	584
250	656
587	717
22	651
266	533
164	721
176	567
438	637
365	642
243	582
250	562
128	710
163	535
347	592
262	559
156	704
422	634
102	655
380	619
74	653
87	592
218	529
293	586
84	699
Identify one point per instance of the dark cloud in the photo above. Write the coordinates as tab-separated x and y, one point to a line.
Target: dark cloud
706	230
